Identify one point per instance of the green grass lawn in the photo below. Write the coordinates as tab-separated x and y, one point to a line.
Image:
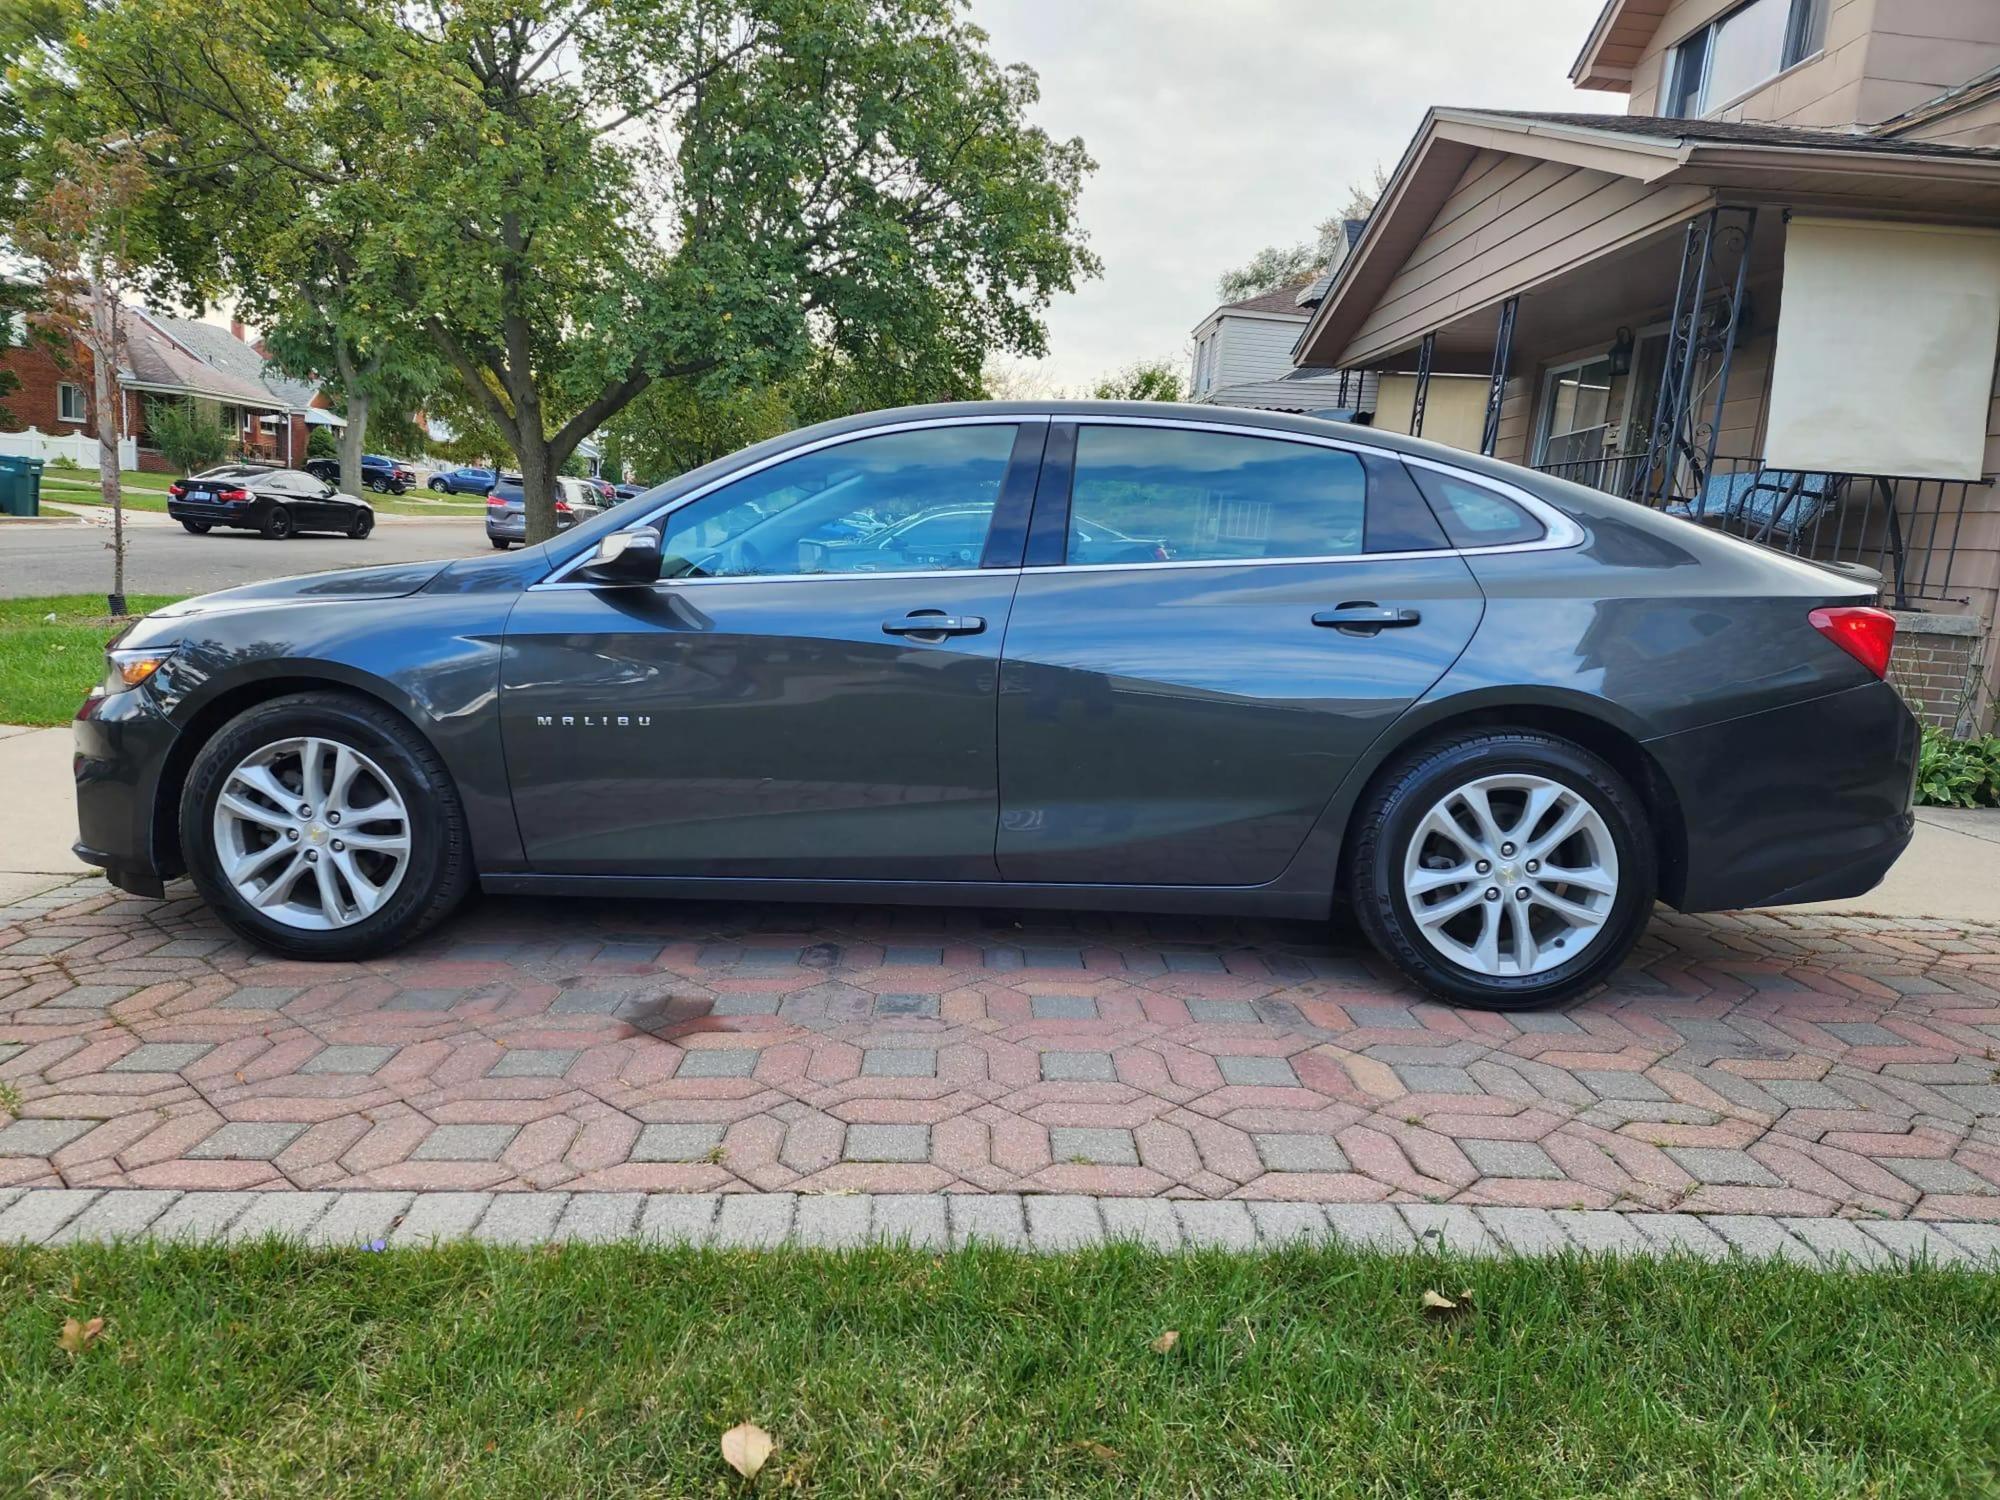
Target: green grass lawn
46	667
266	1370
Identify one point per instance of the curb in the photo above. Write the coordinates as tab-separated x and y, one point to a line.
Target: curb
941	1221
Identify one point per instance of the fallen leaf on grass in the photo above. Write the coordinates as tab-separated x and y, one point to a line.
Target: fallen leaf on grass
1165	1342
1440	1308
745	1447
1104	1453
77	1337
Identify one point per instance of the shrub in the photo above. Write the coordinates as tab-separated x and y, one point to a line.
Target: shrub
190	433
1958	773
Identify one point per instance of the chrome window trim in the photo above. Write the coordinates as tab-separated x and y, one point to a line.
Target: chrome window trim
835	441
1560	531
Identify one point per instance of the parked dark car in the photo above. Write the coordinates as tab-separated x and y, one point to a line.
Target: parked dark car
383	475
257	497
605	491
507	509
470	480
1494	713
630	491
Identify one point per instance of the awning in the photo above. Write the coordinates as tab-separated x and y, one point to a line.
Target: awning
319	417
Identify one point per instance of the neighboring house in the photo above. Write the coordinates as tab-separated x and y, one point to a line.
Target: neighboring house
167	358
1243	352
1767	298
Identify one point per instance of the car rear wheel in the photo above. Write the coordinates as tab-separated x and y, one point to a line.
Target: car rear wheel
322	826
278	524
199	528
499	543
1503	869
361	525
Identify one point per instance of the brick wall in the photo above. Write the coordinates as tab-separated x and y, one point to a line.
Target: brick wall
1935	666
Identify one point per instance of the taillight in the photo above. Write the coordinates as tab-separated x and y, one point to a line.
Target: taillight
177	490
232	497
1864	633
494	502
562	507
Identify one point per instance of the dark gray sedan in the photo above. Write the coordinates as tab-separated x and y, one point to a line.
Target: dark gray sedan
1497	714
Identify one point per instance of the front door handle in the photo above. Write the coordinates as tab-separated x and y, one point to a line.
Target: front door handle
1366	617
934	622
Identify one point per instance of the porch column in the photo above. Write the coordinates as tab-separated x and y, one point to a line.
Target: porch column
1496	386
1425	351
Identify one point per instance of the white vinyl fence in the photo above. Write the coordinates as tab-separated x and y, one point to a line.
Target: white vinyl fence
79	448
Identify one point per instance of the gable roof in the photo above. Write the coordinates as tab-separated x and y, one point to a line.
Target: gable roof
156	361
224	351
1284	299
1618	39
1775	162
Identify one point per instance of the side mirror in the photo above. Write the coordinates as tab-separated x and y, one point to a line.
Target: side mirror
624	557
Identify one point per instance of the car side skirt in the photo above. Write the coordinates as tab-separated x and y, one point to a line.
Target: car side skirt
1228	901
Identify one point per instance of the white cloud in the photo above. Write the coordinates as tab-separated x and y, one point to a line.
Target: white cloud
1222	126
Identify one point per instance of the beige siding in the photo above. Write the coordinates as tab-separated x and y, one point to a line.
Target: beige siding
1976	125
1511	223
1880	58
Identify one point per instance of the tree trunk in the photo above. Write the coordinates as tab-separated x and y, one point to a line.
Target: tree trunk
538	483
353	439
353	442
109	400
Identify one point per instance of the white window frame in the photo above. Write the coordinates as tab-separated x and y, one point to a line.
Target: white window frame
1805	22
71	397
1546	407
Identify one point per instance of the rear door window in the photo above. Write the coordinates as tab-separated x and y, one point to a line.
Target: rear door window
1164	494
1474	515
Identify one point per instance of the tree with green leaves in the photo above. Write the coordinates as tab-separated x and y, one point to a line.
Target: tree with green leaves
566	202
1143	380
1287	265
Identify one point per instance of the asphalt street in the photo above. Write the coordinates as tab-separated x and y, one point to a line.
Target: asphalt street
164	559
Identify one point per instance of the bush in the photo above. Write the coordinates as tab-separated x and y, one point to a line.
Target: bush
191	434
321	443
1958	773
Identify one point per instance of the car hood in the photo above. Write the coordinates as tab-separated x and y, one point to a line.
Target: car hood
393	581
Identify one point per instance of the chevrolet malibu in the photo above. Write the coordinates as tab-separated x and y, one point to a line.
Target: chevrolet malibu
1495	714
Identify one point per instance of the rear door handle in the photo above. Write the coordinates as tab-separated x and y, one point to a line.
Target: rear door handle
934	622
1368	617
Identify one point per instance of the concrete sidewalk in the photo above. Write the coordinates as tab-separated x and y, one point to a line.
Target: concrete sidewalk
1951	872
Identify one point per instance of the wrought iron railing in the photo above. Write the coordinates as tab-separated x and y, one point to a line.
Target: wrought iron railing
1907	529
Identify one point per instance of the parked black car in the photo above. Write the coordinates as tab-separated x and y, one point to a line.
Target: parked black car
469	480
383	475
257	497
507	509
1494	713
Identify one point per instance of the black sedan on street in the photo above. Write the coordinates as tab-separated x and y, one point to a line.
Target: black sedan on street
1494	714
258	497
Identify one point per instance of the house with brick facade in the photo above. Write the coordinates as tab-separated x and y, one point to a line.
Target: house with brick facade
1766	298
167	359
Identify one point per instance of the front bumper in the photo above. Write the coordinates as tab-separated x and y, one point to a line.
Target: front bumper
1810	802
122	744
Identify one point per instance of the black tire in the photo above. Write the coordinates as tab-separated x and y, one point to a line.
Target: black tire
1397	801
440	486
199	528
379	486
361	525
440	869
278	524
499	543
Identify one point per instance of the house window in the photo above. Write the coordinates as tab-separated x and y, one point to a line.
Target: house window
69	403
1576	413
1730	56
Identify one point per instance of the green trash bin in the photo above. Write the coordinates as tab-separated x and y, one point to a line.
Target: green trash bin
20	486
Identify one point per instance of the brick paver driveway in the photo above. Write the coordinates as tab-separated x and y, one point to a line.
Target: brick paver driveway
1748	1064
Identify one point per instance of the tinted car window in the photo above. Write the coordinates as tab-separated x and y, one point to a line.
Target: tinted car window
1172	494
860	507
1473	515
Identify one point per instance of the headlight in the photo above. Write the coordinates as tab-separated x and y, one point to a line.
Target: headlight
128	667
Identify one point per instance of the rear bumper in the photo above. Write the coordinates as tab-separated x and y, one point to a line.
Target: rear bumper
121	746
1810	802
218	515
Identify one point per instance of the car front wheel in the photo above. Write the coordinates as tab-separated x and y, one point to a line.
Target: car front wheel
440	486
1503	869
322	826
361	525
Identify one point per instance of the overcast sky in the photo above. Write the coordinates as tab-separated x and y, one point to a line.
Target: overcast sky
1222	126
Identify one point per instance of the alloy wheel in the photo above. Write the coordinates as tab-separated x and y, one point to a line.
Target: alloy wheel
311	833
1511	874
